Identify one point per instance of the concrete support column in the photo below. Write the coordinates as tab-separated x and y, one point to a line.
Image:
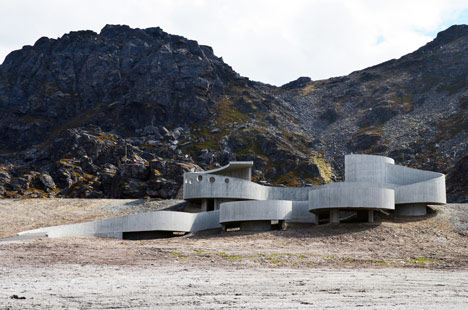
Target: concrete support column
204	205
334	216
216	204
370	217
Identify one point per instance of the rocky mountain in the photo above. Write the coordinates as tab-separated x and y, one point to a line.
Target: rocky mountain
124	112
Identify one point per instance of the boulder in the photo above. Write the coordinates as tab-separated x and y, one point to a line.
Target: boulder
46	182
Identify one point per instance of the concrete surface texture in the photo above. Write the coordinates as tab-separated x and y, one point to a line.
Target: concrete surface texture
413	187
228	197
263	210
170	221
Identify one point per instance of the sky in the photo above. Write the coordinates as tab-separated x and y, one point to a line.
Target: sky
266	40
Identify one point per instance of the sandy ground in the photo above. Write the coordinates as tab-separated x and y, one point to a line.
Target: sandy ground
396	262
176	286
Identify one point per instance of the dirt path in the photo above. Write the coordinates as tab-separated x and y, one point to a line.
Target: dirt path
175	287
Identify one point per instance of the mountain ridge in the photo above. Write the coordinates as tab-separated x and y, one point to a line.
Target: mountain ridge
123	112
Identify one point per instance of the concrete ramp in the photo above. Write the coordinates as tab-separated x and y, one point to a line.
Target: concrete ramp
116	227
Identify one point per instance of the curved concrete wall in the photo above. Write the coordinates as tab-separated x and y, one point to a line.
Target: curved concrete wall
401	175
151	221
366	168
243	211
214	186
428	192
410	185
197	186
351	195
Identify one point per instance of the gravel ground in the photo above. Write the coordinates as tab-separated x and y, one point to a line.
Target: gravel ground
396	262
175	287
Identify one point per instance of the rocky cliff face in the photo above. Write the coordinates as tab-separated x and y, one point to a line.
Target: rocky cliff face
125	112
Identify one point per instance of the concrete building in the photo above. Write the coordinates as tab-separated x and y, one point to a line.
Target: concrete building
229	199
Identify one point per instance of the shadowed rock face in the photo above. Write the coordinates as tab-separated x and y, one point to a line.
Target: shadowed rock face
121	79
458	180
122	113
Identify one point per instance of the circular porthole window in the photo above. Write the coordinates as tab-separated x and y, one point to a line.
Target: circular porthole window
212	179
226	180
199	178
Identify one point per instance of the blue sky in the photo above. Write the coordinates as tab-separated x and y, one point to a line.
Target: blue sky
271	41
462	18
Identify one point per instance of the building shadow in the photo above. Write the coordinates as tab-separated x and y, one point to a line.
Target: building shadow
294	230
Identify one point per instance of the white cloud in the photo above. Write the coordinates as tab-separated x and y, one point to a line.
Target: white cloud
270	41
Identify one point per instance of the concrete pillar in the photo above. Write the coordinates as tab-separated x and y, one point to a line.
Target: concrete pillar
204	205
370	217
334	216
216	204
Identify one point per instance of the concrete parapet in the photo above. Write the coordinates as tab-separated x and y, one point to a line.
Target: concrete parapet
351	195
202	186
429	192
243	211
367	168
412	186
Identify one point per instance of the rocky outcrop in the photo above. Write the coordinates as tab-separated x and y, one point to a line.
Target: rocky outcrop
457	181
124	112
122	79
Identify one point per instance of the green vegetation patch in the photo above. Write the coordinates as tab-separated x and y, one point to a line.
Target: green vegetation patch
324	167
423	260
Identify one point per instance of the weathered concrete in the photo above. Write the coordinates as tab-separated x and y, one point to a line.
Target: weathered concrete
244	211
351	195
201	186
370	217
412	186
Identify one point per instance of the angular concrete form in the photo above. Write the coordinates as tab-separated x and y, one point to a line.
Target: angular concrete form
157	222
228	198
